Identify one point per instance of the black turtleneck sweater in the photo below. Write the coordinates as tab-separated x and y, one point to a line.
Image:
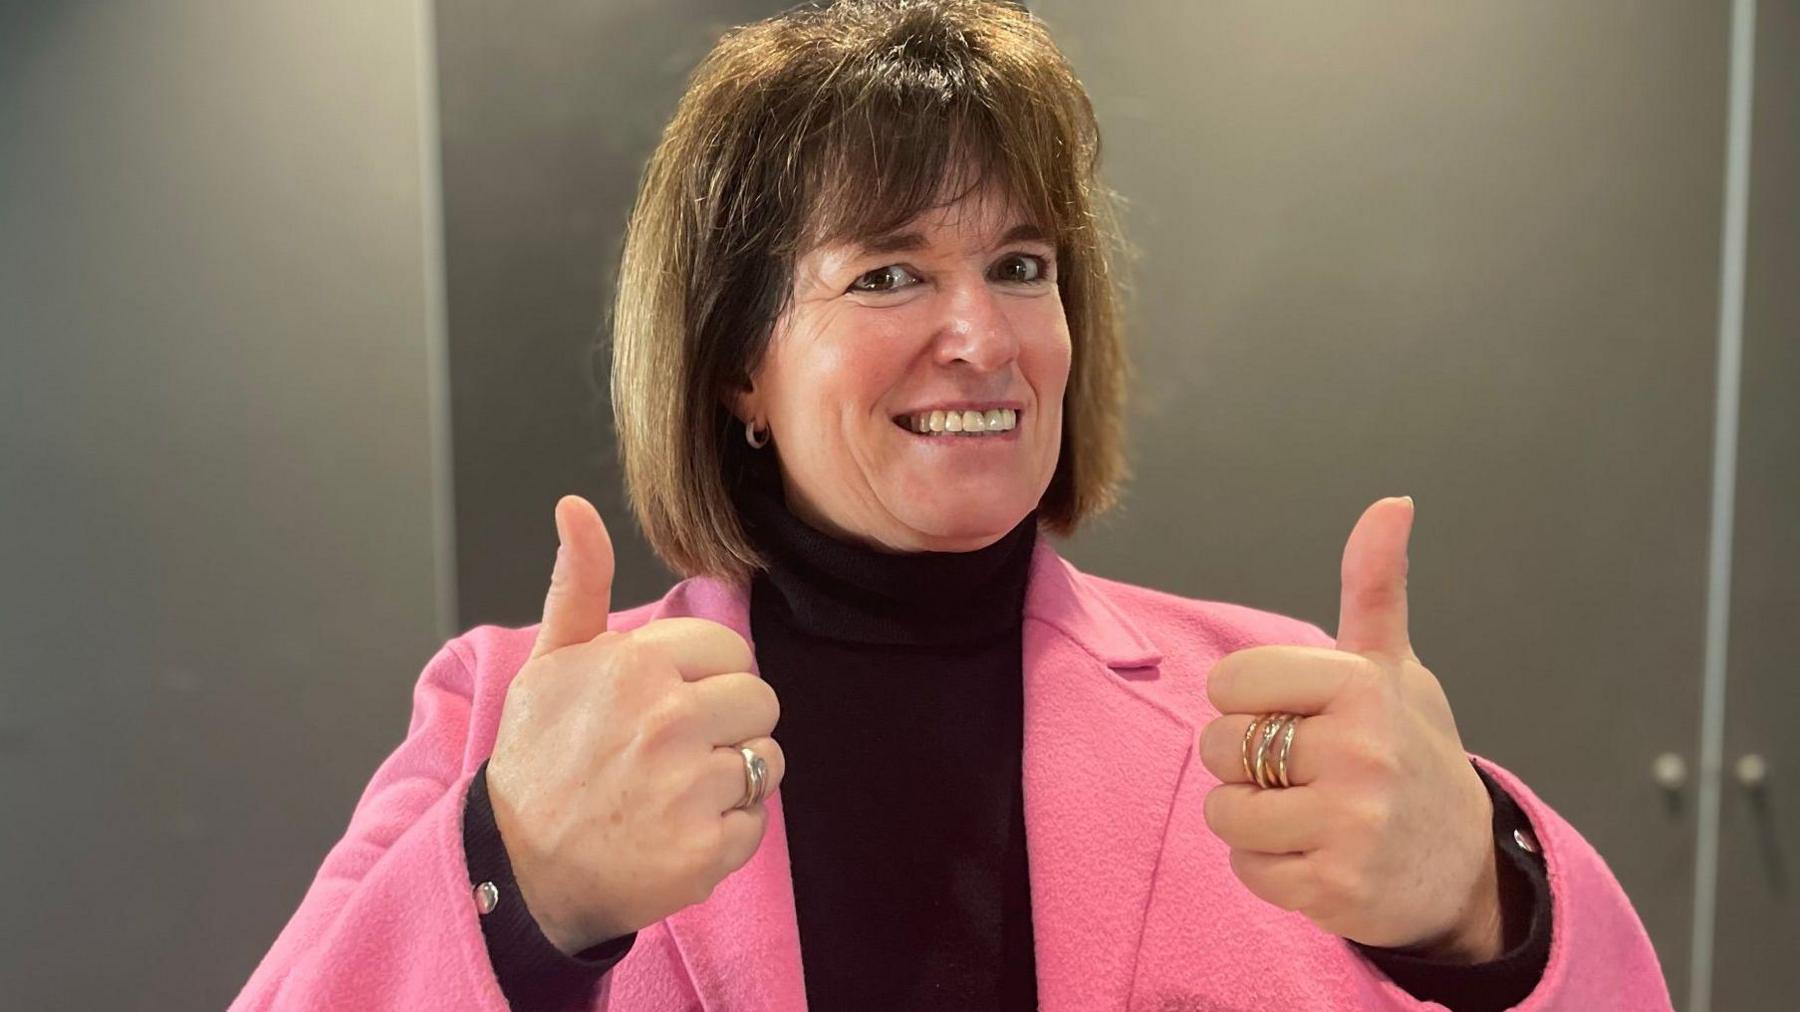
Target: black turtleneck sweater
902	722
900	685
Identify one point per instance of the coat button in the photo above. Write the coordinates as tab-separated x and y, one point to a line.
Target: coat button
1525	840
487	897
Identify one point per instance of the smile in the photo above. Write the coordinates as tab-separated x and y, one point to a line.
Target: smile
967	422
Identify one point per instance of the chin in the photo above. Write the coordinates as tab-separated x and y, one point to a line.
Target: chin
964	523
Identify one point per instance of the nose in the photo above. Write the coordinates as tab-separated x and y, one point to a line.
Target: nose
976	329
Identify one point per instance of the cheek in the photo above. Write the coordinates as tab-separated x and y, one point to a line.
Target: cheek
805	369
1046	351
867	357
827	390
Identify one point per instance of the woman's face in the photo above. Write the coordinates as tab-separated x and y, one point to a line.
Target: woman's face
958	312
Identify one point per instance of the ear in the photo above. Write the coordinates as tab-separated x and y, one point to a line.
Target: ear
744	402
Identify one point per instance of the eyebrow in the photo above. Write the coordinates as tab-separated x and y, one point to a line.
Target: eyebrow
903	242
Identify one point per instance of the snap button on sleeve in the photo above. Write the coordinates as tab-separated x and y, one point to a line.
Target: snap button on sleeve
487	897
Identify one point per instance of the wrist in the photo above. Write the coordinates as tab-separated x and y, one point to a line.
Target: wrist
1480	937
534	883
1478	933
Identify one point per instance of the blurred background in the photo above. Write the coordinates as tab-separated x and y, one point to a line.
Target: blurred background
299	319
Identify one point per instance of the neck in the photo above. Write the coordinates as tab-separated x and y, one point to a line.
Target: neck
830	586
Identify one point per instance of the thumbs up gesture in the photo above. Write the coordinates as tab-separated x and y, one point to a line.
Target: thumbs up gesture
1385	835
616	775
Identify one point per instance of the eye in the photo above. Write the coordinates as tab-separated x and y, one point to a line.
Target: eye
1022	269
891	278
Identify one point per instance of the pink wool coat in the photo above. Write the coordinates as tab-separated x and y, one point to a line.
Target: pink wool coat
1134	904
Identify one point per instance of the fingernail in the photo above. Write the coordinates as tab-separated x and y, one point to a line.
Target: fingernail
562	549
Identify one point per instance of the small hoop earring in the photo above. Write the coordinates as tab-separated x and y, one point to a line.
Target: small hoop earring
750	436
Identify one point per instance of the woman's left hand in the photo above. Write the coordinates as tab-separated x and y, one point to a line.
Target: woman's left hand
1386	836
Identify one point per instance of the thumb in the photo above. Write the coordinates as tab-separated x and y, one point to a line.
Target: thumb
580	594
1372	610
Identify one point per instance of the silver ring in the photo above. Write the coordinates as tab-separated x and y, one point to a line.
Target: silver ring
756	777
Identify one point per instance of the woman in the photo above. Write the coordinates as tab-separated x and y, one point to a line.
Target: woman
866	351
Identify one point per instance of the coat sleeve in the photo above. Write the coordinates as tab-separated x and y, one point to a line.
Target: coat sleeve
390	922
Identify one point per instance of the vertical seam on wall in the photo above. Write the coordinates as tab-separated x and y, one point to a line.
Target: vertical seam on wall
1724	476
437	340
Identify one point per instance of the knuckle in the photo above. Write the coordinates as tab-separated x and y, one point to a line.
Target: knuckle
1208	738
1223	676
721	637
737	644
776	758
1334	886
1289	898
696	863
1266	887
771	702
1240	866
1371	818
698	886
670	716
759	824
1303	894
1212	810
1372	755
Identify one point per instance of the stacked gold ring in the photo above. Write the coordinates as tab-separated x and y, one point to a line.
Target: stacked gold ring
1269	768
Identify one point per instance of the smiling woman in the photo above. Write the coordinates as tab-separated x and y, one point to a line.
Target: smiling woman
866	362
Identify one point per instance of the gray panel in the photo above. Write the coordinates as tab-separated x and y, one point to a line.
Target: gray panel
1758	925
1466	253
549	113
216	563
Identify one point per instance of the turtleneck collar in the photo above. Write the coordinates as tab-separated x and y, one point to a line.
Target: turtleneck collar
824	587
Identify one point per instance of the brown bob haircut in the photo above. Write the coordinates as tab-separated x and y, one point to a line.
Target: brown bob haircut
833	123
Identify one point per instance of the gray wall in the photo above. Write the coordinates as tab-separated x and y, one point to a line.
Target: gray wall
217	564
549	112
1758	921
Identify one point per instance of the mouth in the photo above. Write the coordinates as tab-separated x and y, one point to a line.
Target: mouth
989	422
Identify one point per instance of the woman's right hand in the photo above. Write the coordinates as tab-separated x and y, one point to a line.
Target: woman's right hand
616	771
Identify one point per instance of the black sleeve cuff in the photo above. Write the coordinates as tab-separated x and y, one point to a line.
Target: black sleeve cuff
534	975
1525	905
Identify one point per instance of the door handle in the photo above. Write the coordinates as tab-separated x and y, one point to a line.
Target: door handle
1669	771
1752	772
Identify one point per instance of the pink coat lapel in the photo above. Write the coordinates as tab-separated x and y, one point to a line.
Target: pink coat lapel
742	946
1101	764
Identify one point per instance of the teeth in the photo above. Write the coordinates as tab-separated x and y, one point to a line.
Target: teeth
964	422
